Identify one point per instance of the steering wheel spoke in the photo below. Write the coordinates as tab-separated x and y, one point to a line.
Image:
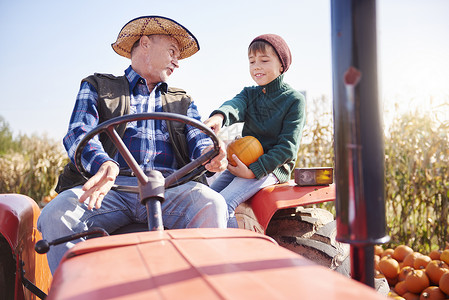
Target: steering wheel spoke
180	176
126	154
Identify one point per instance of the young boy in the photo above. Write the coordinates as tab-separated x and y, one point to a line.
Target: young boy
273	112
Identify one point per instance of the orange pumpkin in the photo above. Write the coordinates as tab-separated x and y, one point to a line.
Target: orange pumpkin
389	267
432	293
376	262
416	281
421	262
400	288
248	149
435	254
410	296
378	250
401	251
445	256
404	272
435	269
444	283
409	260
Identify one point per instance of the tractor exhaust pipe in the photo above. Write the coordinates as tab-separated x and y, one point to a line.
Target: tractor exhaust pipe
358	134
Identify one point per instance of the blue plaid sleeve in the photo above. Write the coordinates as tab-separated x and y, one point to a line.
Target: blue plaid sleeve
196	139
84	118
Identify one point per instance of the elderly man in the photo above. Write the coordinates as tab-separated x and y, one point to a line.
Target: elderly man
155	45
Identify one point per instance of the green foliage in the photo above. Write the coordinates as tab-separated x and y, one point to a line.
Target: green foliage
30	165
7	143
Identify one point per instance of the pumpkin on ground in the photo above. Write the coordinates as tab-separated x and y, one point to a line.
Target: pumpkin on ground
410	296
388	251
400	288
445	256
432	293
435	269
389	267
435	254
409	260
416	281
401	251
404	272
444	283
421	262
378	250
248	149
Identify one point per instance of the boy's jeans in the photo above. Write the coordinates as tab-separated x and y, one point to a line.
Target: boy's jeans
237	190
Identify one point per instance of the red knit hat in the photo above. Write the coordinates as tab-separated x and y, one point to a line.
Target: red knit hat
280	46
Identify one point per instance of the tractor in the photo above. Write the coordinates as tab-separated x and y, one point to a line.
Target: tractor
284	248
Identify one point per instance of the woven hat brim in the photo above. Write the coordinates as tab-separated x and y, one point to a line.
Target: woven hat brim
148	25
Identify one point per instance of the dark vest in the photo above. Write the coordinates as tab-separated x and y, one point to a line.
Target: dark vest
114	101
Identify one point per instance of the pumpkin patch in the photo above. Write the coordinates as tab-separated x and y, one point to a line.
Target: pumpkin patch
413	275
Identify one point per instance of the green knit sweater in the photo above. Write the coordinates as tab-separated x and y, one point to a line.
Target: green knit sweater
275	115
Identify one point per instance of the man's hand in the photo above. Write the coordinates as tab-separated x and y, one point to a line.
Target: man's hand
99	184
215	122
241	170
219	162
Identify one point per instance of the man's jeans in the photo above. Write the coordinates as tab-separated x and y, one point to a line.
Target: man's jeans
237	190
190	205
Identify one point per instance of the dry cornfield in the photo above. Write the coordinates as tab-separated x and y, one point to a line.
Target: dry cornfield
33	169
416	173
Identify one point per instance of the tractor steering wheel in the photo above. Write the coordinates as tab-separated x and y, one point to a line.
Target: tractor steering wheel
193	169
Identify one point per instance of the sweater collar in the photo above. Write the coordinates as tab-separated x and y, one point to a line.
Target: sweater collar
273	86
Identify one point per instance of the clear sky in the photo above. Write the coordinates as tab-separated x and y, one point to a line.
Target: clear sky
47	47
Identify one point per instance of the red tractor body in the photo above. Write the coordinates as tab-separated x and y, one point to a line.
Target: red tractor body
196	264
259	210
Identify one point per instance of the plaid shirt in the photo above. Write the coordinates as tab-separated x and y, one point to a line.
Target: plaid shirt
148	140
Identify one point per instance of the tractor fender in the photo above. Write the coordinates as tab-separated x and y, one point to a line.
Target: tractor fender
278	211
18	226
18	214
263	205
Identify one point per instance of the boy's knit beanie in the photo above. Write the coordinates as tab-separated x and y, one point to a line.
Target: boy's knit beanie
280	46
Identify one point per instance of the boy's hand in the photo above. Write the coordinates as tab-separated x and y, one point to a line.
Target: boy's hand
215	122
99	184
241	170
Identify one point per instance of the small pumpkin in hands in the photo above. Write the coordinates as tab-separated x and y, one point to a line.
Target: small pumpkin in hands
248	149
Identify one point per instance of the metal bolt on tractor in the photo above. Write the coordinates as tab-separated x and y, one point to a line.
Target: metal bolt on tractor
284	249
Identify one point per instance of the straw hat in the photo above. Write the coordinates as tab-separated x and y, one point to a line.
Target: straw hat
149	25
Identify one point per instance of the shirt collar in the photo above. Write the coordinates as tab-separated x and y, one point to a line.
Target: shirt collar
133	78
274	85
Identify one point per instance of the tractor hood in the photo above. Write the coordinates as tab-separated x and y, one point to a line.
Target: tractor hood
196	264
